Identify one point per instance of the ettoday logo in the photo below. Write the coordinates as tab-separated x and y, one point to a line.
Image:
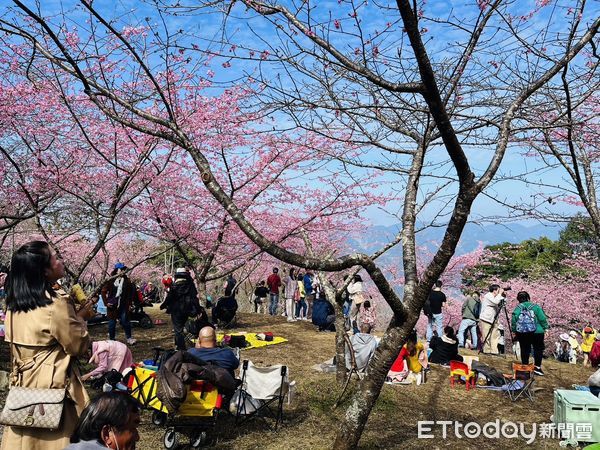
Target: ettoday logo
429	429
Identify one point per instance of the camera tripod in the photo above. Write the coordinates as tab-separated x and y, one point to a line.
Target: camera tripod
502	307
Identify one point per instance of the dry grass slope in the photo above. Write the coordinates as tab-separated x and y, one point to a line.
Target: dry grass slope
310	422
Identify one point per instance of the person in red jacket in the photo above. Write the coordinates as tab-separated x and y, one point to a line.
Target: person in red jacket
595	353
274	283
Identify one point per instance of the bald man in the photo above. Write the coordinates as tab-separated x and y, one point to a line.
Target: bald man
206	349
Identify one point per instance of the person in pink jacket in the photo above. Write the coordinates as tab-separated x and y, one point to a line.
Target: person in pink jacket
108	355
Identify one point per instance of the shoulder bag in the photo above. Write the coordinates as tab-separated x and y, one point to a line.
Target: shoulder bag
31	407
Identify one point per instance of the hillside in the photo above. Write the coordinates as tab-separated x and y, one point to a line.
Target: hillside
310	422
473	236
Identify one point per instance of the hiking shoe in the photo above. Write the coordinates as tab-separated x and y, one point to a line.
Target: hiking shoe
538	371
131	341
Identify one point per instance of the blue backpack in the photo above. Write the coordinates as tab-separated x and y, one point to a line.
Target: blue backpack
526	321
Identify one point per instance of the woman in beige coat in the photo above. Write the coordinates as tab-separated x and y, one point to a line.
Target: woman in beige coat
46	335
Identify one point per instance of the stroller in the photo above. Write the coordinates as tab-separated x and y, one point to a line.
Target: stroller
195	418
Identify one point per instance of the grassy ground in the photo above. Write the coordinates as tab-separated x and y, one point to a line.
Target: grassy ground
310	422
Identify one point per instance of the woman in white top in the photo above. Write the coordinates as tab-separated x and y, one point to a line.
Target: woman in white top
291	287
355	290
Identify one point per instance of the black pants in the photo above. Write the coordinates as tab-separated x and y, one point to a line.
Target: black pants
526	340
178	324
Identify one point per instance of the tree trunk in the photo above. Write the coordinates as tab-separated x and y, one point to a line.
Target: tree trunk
340	344
363	400
335	298
201	287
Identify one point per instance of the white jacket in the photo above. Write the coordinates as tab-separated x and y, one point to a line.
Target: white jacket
489	307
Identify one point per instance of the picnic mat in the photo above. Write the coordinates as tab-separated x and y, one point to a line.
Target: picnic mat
252	341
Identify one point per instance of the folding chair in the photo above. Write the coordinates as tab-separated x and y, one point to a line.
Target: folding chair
262	392
520	382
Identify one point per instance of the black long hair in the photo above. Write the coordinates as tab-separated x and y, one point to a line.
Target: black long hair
411	343
109	408
449	331
26	285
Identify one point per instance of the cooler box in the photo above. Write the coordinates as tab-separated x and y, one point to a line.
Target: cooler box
578	407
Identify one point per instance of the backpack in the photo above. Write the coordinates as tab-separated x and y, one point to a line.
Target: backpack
526	321
595	355
427	308
477	309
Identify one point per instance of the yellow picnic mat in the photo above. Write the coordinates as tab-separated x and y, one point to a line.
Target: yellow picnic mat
253	341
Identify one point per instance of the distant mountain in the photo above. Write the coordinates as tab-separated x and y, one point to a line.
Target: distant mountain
473	236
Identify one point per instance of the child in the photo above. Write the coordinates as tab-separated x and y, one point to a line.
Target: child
574	343
410	364
367	314
589	336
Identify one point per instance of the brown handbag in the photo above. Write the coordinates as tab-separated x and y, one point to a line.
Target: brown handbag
32	407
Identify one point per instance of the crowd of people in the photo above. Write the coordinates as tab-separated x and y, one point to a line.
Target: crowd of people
48	333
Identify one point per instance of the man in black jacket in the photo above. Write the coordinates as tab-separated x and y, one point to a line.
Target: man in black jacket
181	303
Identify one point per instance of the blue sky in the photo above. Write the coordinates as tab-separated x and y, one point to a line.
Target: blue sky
208	26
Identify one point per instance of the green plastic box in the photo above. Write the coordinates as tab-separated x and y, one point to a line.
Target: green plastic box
578	407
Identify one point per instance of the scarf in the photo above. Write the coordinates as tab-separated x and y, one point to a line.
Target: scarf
119	285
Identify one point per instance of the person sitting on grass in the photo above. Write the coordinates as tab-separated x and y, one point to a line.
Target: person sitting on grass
410	364
224	311
563	351
323	315
364	345
108	421
206	349
445	348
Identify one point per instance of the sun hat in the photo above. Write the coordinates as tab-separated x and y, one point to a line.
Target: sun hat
564	337
573	333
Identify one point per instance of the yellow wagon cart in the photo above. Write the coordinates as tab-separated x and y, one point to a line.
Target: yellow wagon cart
195	418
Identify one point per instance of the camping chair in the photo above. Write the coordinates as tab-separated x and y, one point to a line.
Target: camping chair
262	392
353	369
460	369
520	382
